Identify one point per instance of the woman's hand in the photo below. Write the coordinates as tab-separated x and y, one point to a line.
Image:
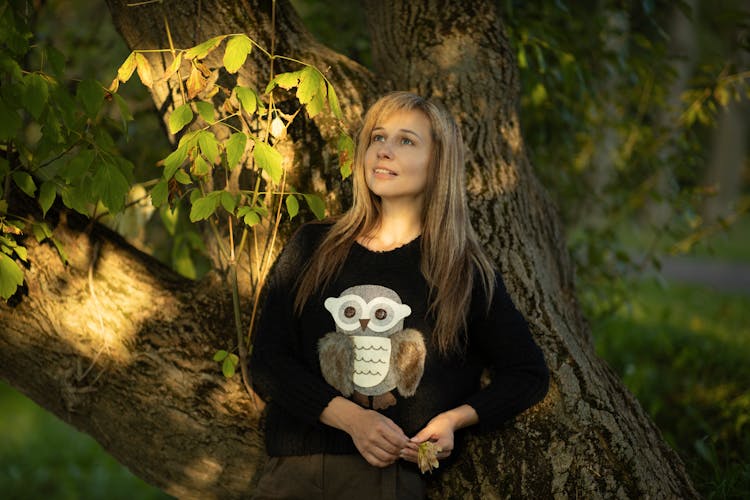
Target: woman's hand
440	430
378	439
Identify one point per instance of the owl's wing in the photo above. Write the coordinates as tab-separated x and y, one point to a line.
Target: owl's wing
336	354
407	358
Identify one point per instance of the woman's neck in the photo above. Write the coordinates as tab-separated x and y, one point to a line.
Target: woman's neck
399	224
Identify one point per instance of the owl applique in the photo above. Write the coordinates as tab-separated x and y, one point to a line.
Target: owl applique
371	353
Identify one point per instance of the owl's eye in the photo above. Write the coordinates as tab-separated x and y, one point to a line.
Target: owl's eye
349	312
381	314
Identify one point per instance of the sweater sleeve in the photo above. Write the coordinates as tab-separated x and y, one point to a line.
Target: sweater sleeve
278	373
518	373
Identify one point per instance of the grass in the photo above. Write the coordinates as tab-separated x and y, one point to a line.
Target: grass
684	351
43	457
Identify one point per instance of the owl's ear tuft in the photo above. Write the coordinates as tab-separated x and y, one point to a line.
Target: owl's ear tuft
404	310
332	304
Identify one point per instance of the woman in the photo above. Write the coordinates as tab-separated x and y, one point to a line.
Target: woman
376	327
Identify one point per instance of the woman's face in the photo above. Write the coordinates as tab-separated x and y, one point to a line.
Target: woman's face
398	156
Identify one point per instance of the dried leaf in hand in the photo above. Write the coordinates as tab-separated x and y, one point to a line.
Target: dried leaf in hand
427	456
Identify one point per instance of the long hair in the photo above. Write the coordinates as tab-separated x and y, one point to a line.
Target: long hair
451	257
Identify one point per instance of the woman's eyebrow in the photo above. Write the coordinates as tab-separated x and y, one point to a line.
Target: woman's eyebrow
402	130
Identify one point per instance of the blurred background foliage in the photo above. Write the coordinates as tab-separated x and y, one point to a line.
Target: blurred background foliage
635	115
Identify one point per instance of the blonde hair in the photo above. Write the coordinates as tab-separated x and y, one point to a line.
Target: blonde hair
451	257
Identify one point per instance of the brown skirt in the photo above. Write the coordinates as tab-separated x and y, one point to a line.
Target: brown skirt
332	477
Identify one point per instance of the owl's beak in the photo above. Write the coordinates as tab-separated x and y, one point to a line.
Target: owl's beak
363	323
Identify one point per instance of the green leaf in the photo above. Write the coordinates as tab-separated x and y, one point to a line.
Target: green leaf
180	117
24	181
41	231
35	95
292	205
125	113
235	148
333	103
11	276
538	94
174	161
60	250
316	204
209	146
111	186
200	167
189	140
10	122
77	197
228	366
220	355
47	193
170	217
182	177
248	99
91	95
284	80
160	193
206	110
237	50
202	50
316	105
78	166
55	61
22	253
203	208
228	202
310	84
269	160
249	215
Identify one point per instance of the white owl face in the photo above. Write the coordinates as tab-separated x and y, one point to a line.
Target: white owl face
368	308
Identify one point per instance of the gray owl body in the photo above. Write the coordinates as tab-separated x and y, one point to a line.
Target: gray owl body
371	353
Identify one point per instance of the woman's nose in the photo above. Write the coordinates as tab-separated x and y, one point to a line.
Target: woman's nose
384	151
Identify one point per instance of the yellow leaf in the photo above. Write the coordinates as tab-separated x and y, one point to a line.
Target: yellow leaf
202	50
173	67
427	456
114	86
196	82
144	69
125	71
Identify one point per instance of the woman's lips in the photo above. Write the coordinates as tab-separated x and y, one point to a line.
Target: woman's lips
380	171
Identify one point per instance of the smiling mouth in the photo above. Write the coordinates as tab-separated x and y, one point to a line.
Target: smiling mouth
384	171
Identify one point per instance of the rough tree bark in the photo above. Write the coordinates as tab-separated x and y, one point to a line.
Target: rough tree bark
120	347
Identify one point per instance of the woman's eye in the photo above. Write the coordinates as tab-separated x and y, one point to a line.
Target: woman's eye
406	141
378	138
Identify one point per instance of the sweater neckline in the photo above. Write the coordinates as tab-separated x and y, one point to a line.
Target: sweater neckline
393	251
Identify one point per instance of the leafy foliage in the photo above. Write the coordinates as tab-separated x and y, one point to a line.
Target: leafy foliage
616	133
56	140
76	154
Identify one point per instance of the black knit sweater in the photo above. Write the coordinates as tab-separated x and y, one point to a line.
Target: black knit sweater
285	365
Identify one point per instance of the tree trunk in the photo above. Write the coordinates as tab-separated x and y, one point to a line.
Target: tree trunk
120	347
